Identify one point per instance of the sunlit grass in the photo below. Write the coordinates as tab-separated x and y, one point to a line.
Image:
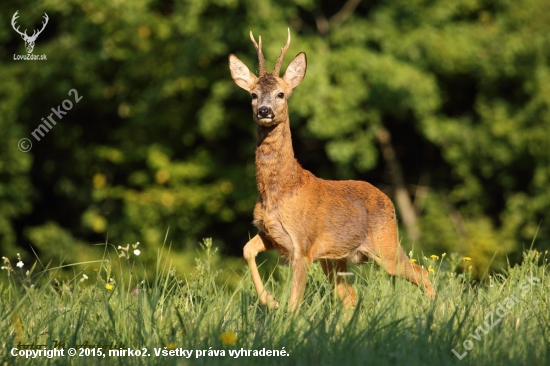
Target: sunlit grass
395	323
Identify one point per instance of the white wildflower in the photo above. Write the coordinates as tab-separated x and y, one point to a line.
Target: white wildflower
137	252
20	264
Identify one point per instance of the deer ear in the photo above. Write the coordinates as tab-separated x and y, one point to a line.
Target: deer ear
241	74
296	71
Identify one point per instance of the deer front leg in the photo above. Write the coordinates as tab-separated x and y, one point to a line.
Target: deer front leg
254	246
344	289
299	279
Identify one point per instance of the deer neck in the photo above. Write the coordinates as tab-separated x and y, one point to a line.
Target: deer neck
277	170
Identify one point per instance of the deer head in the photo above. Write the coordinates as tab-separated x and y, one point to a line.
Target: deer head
269	92
29	41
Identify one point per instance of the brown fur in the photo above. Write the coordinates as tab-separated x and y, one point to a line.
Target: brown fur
306	218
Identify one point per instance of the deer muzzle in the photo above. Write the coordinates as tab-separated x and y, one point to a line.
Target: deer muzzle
265	113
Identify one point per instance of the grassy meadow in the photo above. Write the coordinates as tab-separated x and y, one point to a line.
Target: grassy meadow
499	319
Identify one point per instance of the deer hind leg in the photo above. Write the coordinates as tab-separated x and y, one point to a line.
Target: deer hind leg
299	279
254	246
393	259
343	288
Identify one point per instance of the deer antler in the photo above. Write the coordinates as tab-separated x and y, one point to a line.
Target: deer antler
43	26
277	68
261	58
15	16
24	34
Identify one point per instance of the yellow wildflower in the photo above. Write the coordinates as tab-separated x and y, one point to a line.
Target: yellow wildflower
467	259
228	337
413	260
109	287
170	346
95	269
431	270
433	256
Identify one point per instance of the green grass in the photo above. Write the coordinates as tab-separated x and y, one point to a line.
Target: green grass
394	324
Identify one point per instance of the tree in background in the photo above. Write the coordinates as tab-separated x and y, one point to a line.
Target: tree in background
443	105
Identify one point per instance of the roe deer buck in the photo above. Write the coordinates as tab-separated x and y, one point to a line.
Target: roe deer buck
304	217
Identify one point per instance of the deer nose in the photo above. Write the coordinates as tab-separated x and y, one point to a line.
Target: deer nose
265	112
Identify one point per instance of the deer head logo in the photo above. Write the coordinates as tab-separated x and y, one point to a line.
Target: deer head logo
29	41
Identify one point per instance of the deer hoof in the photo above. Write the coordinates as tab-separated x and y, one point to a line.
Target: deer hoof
273	304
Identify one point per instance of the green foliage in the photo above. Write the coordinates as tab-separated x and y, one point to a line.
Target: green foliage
394	322
163	138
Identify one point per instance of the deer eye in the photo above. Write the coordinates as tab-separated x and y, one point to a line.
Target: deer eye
254	96
281	95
